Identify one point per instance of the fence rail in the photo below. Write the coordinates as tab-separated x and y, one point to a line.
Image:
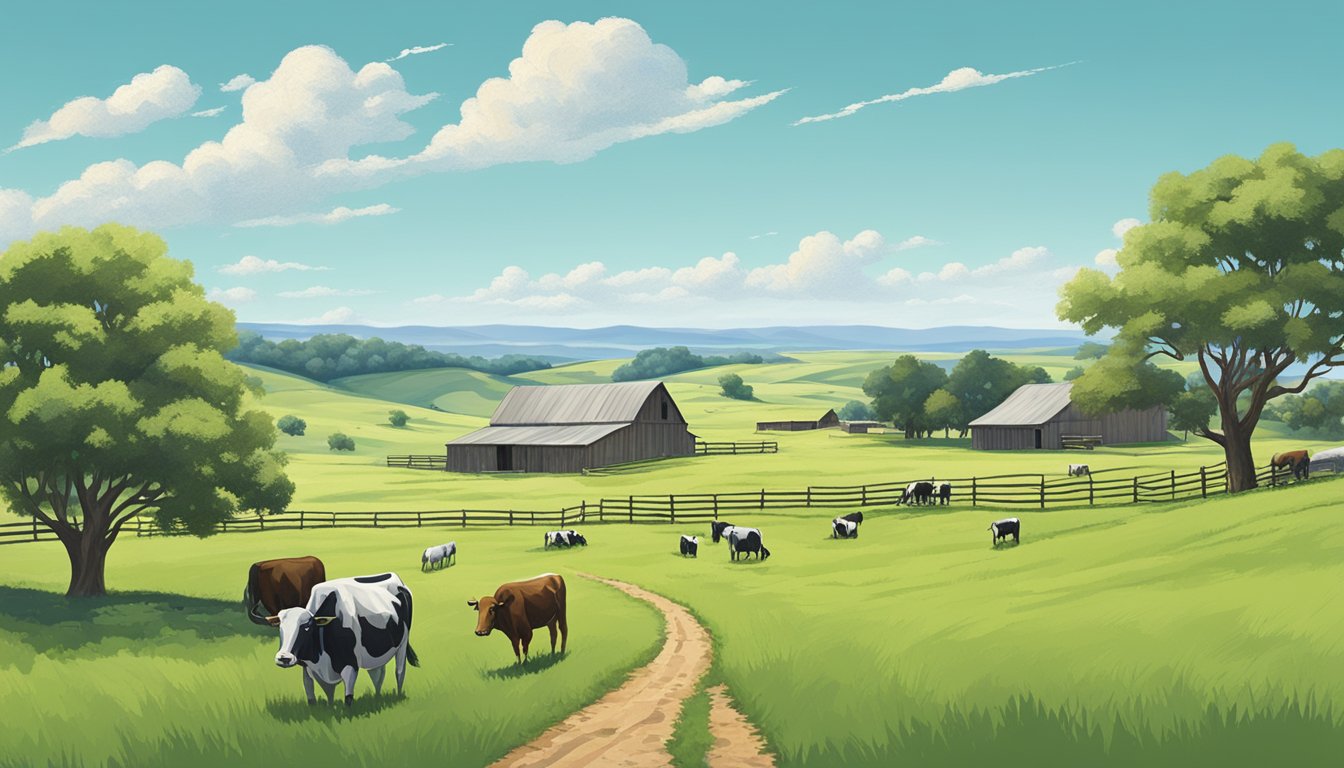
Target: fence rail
733	448
1012	491
419	461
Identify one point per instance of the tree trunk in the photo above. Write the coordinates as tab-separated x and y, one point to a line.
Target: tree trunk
1240	462
88	560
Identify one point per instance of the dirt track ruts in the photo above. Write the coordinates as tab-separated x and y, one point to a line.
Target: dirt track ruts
631	725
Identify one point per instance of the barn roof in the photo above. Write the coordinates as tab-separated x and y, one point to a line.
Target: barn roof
573	404
1030	405
576	435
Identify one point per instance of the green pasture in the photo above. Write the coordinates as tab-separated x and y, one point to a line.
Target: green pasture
1192	634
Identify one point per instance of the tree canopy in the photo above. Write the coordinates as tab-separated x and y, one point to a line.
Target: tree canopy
856	410
328	356
1319	411
1241	269
116	400
733	387
900	390
664	361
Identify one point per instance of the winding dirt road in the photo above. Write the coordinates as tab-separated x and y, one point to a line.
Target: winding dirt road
631	725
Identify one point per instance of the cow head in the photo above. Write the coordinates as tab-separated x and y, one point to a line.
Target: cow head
298	639
488	609
716	530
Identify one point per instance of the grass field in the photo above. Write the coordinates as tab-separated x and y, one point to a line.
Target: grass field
1159	635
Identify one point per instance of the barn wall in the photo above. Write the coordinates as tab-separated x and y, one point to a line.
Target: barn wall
526	458
652	410
829	420
641	441
785	426
1148	426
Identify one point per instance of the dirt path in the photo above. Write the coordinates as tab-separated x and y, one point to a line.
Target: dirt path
630	725
737	743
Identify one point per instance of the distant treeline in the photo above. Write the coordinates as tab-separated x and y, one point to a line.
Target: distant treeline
333	355
664	361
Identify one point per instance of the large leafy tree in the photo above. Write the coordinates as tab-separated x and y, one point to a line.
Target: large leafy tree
116	400
1242	270
981	381
900	390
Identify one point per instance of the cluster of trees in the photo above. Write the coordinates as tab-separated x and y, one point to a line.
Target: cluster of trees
734	387
333	355
664	361
856	410
921	397
1319	411
339	441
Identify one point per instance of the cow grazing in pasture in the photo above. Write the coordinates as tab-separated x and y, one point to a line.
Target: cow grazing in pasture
943	492
853	517
1002	529
844	529
519	607
348	625
440	556
1079	470
1298	461
919	492
274	585
690	545
745	541
564	539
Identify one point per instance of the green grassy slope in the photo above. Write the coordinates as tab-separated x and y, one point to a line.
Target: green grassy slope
455	390
1198	634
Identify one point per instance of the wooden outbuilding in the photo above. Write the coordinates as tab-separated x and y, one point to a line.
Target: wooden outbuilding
860	427
573	427
1043	417
827	420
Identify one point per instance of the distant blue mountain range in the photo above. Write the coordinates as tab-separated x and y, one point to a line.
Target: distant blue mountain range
560	344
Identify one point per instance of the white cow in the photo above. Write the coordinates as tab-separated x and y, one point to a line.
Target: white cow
348	625
844	529
439	556
1079	470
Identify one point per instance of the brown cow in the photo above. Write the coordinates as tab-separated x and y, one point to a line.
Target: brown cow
519	607
1300	461
275	585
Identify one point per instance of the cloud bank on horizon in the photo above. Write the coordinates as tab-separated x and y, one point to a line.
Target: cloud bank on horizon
575	90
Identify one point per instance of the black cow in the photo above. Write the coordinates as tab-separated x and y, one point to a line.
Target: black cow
853	517
844	529
944	492
718	530
745	541
690	545
920	492
1002	529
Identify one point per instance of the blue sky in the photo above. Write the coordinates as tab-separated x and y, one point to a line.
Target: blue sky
649	168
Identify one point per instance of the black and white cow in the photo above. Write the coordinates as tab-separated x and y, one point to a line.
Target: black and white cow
348	625
918	492
718	530
440	556
844	529
745	541
568	538
690	545
943	492
1079	470
853	517
1002	529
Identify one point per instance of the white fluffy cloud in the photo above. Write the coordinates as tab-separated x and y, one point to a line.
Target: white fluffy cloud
575	90
336	316
252	265
956	80
231	296
322	291
1122	226
1105	258
237	83
416	50
217	111
822	265
334	216
149	97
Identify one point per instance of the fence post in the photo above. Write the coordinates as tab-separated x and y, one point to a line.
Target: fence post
300	520
1136	489
1042	491
809	495
1203	485
672	507
583	511
762	498
631	502
510	517
35	528
464	518
973	492
1173	485
716	507
601	510
375	519
419	519
261	522
863	495
1091	492
1273	476
333	519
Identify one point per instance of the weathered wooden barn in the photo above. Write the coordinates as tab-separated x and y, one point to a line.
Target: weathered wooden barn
572	427
860	427
1043	416
827	420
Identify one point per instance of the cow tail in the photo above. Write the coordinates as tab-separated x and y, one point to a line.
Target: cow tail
411	658
250	595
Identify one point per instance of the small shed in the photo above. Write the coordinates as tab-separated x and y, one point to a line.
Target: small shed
860	427
827	420
572	427
1040	416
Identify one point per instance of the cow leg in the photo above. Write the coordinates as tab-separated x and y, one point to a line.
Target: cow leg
329	689
376	674
552	627
564	632
526	637
348	676
401	664
308	687
516	654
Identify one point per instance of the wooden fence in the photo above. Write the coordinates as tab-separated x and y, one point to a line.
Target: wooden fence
1011	491
419	461
725	448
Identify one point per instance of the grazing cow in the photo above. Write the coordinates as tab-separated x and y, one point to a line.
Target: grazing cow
1079	470
274	585
943	491
519	607
853	517
745	541
919	492
844	529
1002	529
718	530
440	556
564	539
348	625
690	545
1299	461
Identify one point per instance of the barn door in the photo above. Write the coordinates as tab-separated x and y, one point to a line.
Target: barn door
1038	439
504	458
